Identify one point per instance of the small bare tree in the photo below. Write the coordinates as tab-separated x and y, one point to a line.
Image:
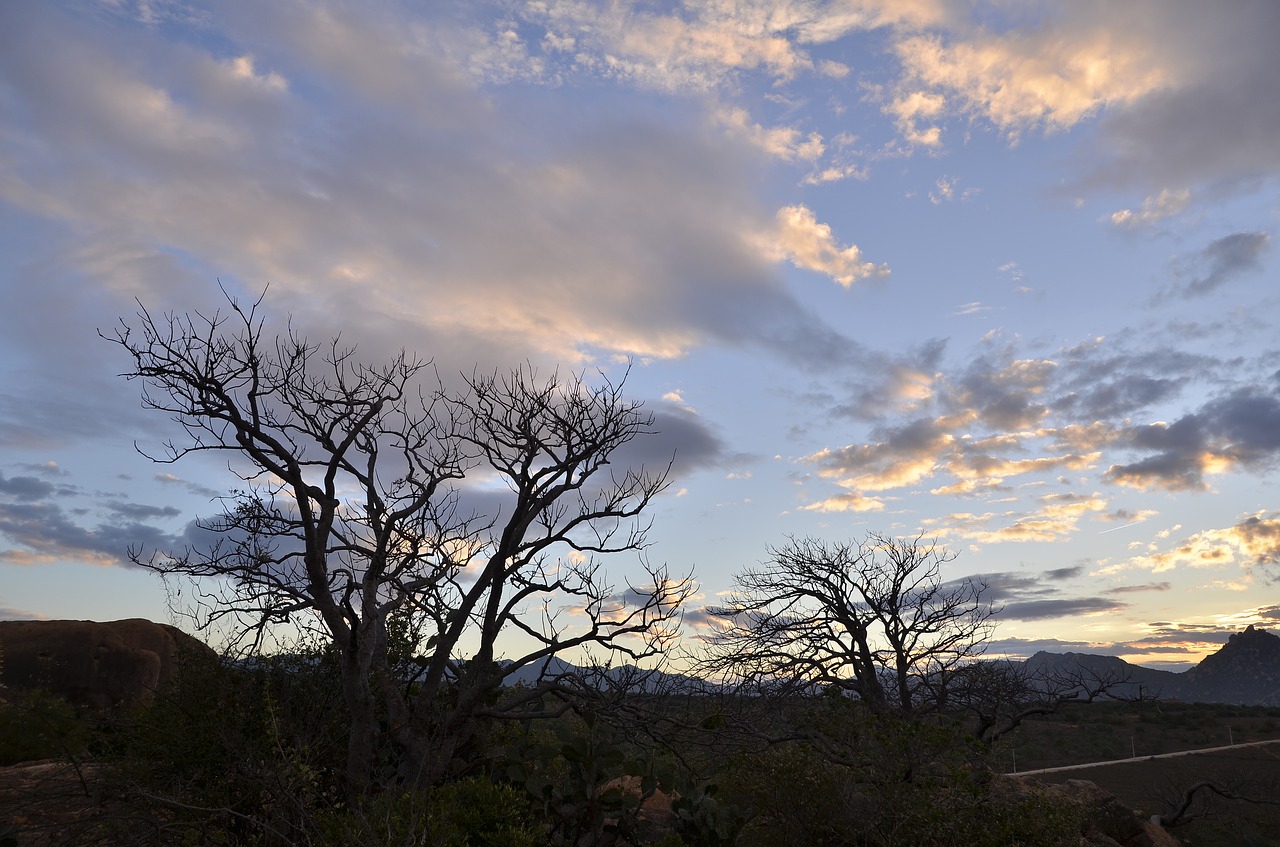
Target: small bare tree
354	510
1209	798
999	696
872	618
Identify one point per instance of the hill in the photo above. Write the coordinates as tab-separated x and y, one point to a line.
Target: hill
1140	681
1246	671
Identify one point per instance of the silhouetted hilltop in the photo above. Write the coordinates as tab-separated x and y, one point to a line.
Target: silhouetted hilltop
1246	671
1140	681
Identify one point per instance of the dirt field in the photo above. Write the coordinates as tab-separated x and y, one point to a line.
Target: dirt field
1152	785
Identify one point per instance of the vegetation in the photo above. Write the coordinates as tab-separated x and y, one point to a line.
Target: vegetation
853	616
252	754
853	712
38	725
360	504
1095	732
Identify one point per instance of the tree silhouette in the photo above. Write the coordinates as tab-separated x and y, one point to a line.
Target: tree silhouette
354	507
872	618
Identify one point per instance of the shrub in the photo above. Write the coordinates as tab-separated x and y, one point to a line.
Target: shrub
473	812
39	725
897	783
241	754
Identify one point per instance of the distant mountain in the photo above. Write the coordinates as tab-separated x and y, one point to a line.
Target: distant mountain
627	677
1246	671
1140	681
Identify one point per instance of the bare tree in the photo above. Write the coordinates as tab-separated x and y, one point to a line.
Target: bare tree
354	509
999	696
872	618
1204	799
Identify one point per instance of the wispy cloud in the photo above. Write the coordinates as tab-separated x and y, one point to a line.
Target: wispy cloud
1156	208
1254	542
810	245
1220	262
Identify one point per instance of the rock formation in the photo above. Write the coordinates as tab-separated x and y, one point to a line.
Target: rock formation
98	665
1245	671
1104	820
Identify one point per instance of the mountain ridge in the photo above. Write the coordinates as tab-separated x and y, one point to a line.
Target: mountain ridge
1244	671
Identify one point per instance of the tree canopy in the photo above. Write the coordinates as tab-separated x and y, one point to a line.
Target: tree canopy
359	501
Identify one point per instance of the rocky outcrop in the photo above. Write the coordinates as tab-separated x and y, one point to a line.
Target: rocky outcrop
98	665
1104	820
1107	821
1245	671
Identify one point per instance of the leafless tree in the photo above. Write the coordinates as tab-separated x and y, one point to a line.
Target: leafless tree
1203	799
872	618
999	696
353	509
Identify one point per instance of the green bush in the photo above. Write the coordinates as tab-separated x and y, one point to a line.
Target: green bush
241	754
39	725
472	812
896	783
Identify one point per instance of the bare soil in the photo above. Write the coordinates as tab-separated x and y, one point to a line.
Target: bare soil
1154	786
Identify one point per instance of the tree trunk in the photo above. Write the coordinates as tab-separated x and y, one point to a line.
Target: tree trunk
362	736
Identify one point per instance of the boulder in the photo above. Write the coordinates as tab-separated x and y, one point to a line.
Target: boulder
99	665
1105	821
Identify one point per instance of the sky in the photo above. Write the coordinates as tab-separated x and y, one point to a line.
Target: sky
997	273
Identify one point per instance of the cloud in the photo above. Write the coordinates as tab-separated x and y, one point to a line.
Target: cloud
1025	648
702	622
1215	122
1030	597
910	108
785	143
680	437
1156	208
1038	610
945	192
1050	77
1221	261
1004	395
1254	542
1162	638
49	468
458	221
905	455
193	487
139	512
10	614
1003	586
1182	91
45	533
1182	636
849	502
25	488
1108	392
1005	424
1139	589
691	46
812	246
1055	518
1238	431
